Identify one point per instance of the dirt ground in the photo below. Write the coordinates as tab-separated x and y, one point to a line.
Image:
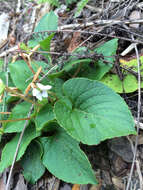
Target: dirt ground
112	160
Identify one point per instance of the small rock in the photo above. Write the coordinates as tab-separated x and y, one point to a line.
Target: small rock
118	182
118	165
61	10
135	15
121	146
4	26
21	184
66	187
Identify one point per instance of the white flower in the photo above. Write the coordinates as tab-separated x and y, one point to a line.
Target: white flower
41	91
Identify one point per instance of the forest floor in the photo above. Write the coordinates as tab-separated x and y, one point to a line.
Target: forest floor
100	21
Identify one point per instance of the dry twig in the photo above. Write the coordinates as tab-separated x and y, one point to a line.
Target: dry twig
17	149
138	117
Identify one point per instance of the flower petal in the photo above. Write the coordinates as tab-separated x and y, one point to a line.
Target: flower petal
42	87
44	94
39	96
35	91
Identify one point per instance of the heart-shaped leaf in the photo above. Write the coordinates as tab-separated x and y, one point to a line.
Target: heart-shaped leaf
63	158
48	22
31	162
91	112
10	148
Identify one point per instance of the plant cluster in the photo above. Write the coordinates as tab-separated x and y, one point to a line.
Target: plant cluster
60	108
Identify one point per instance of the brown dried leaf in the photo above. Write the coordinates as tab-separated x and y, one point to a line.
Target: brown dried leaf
74	42
76	187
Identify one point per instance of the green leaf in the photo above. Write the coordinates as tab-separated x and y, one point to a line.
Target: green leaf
20	72
68	2
45	44
31	162
99	69
37	64
133	66
81	4
57	87
71	65
47	23
6	76
64	159
1	64
22	75
128	85
104	49
2	86
23	46
107	49
18	112
74	60
55	75
10	148
68	66
44	116
91	112
32	43
51	2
